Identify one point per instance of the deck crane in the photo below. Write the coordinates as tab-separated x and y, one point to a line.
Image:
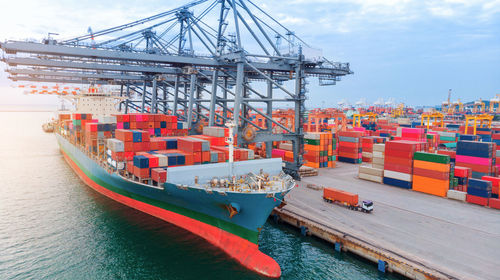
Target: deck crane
195	60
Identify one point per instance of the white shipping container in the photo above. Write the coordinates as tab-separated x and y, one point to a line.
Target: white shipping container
313	136
378	160
162	160
378	166
456	195
366	169
377	154
115	145
367	154
379	147
372	178
398	175
214	131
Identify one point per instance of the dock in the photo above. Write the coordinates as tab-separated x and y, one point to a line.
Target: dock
416	235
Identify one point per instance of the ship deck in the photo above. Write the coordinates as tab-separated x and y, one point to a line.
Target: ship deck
419	235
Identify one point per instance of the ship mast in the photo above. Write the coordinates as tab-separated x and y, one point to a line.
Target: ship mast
230	142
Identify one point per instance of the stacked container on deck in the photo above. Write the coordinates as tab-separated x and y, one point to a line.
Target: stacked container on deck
78	125
398	164
350	149
154	124
431	173
478	156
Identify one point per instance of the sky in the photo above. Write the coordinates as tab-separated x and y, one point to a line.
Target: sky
411	51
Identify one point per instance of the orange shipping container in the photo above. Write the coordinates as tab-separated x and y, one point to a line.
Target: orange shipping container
441	167
430	185
340	196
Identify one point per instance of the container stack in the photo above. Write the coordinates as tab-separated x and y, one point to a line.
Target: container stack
318	150
155	124
478	156
447	137
412	134
367	149
378	156
495	183
370	173
479	191
77	126
96	134
493	202
431	173
367	144
350	149
462	174
398	163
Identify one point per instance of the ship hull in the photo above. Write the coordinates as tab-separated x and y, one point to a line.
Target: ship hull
199	212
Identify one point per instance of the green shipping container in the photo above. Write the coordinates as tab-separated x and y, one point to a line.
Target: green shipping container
447	138
312	142
432	157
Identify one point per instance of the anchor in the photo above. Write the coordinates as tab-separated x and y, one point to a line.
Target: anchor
233	208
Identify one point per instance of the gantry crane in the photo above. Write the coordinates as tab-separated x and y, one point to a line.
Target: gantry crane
479	104
356	118
484	120
494	101
437	117
190	61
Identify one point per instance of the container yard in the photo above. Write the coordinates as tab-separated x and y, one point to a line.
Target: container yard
172	116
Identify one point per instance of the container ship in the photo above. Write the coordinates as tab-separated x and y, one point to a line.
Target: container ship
201	183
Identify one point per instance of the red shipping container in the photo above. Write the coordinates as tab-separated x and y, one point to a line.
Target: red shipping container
476	167
130	166
124	135
477	200
398	160
429	173
189	145
354	134
129	156
452	154
205	156
159	175
118	156
146	146
399	153
462	172
128	146
91	127
495	183
494	203
142	173
145	136
153	160
398	168
197	157
138	147
221	156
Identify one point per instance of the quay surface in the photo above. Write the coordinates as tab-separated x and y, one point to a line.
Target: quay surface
420	236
